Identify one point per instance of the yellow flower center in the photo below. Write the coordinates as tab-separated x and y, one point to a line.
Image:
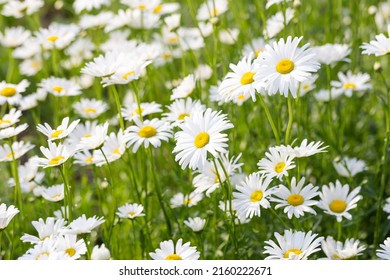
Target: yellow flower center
187	201
256	196
142	7
215	12
349	86
89	159
8	92
116	151
157	9
201	140
4	121
338	206
166	55
9	155
89	110
279	167
257	52
36	64
182	116
285	66
56	160
56	197
87	135
247	78
295	199
173	257
38	257
127	74
70	251
147	131
241	97
131	214
56	133
52	39
57	89
295	251
335	256
137	111
172	40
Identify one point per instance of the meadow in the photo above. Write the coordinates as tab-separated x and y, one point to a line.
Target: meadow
217	129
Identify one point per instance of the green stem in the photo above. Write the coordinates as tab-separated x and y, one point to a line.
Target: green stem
11	67
338	231
118	107
15	174
134	247
270	120
138	99
290	120
67	193
279	218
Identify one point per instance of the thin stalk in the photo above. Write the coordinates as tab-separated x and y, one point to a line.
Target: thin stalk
290	120
118	107
136	92
134	247
279	218
67	193
338	231
15	174
270	120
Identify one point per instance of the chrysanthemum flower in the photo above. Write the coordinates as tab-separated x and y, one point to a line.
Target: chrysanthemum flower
169	251
201	134
15	151
252	195
303	150
337	201
100	253
80	5
181	108
350	83
211	9
380	46
188	200
11	93
90	108
331	53
10	119
7	214
336	250
130	211
132	111
148	132
63	130
349	167
70	246
196	224
276	23
240	81
44	250
18	8
45	229
60	86
9	132
83	225
293	245
276	164
54	155
185	88
297	199
384	251
54	193
113	149
57	36
282	66
14	36
95	139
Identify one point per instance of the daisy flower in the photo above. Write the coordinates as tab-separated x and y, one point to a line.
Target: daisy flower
130	211
60	86
100	253
83	225
210	177
29	177
9	132
384	251
380	46
83	158
54	193
181	108
350	83
201	134
185	88
276	164
329	54
147	132
7	214
14	36
296	245
274	2
304	150
15	151
252	195
211	9
323	95
11	93
188	200
10	119
54	155
336	200
57	36
63	130
95	139
103	65
169	251
113	149
70	246
336	250
18	9
90	108
230	211
282	66
386	208
196	224
45	229
239	81
44	250
349	167
254	48
297	199
132	111
276	23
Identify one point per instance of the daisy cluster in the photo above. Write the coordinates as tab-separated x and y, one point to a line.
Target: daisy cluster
178	124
